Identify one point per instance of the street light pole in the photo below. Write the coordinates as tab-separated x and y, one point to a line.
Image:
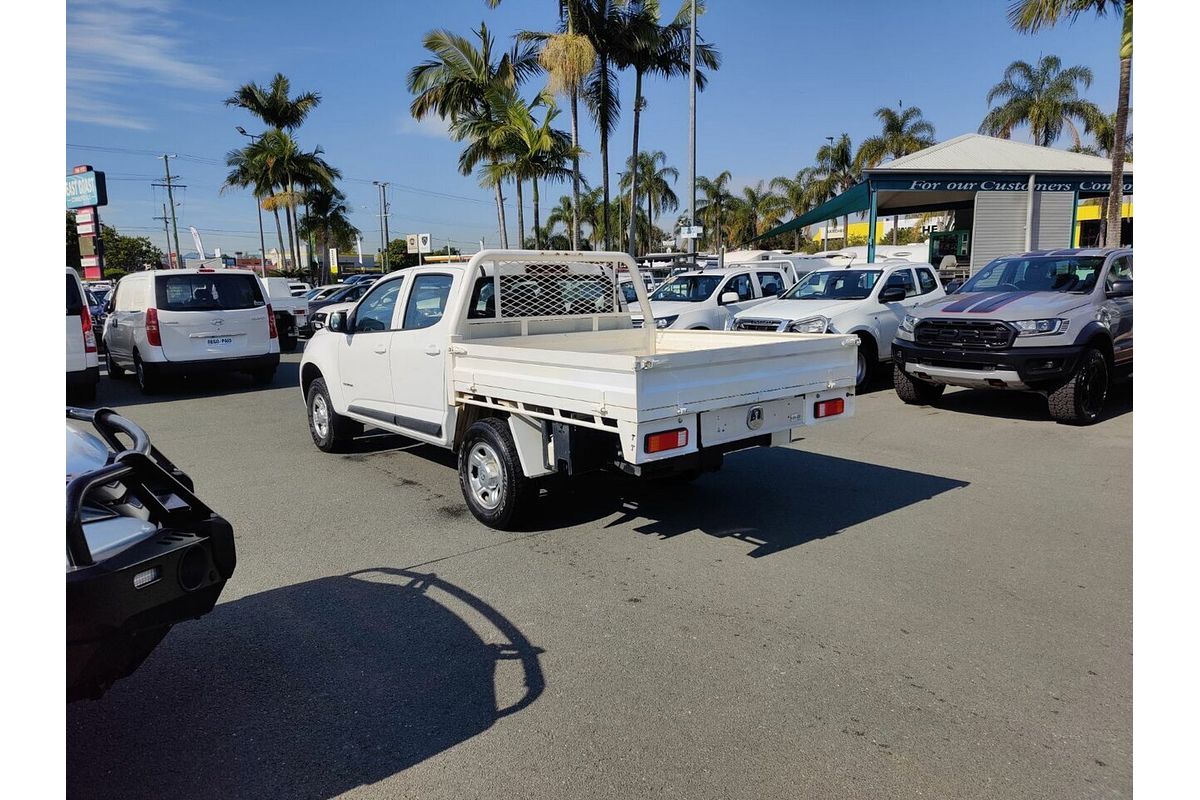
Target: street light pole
692	135
262	241
826	236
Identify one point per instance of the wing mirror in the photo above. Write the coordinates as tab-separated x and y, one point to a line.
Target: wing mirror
954	286
338	322
729	297
1122	287
892	294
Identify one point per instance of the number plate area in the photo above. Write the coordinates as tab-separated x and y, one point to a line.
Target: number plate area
219	341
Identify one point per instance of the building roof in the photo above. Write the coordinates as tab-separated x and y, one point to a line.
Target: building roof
973	152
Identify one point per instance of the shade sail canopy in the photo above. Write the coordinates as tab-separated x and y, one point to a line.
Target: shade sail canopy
855	199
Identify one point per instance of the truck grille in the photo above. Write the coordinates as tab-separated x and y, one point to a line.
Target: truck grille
967	334
757	325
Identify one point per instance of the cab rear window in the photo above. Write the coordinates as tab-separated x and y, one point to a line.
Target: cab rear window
207	292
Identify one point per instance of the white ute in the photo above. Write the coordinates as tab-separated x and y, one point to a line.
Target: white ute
527	364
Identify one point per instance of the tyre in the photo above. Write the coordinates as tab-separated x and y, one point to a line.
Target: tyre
1081	399
262	377
490	476
115	370
913	391
331	432
868	358
147	380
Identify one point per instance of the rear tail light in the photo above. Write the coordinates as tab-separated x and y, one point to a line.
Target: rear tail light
829	408
89	335
666	440
153	335
271	322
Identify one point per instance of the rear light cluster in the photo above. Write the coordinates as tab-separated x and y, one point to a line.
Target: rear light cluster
271	322
829	408
666	440
89	335
153	334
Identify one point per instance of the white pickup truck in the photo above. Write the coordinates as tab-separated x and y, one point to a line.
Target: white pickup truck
291	311
527	363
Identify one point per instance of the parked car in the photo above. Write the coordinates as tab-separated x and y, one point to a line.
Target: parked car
291	312
320	317
143	552
181	321
299	288
451	355
97	309
868	301
83	360
323	291
1057	322
706	299
369	277
346	293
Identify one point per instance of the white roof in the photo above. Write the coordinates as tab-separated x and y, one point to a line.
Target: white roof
973	152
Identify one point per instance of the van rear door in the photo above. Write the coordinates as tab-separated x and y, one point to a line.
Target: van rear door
211	315
76	353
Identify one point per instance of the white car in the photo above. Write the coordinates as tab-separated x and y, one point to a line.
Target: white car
83	362
704	300
299	288
868	300
183	321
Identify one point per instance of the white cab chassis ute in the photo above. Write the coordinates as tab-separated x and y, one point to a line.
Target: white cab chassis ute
527	365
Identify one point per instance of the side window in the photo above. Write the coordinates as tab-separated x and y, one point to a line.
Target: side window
377	309
740	284
928	282
426	301
483	301
771	282
1121	269
902	278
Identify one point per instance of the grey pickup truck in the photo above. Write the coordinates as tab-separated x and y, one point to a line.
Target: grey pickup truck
1058	322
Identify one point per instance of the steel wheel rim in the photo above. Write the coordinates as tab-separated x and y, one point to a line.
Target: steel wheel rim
320	416
485	477
1094	389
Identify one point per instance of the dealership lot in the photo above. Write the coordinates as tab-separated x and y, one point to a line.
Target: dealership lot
917	602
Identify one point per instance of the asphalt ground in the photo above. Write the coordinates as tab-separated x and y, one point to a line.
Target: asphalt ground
916	602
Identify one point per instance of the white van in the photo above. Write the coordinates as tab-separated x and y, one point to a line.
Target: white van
170	322
83	362
705	300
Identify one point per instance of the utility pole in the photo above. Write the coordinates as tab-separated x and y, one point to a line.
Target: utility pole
692	135
166	232
171	202
383	226
826	236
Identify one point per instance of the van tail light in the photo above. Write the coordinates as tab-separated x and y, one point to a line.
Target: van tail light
829	408
666	440
153	335
89	334
271	322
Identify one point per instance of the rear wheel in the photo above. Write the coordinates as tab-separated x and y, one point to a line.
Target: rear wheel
115	370
868	357
913	391
331	432
1081	399
489	473
147	379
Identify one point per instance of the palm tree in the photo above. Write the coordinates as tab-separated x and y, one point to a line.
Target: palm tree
327	217
1031	15
756	211
454	84
655	181
536	150
904	131
714	205
835	164
1103	130
273	106
246	172
796	196
652	48
1045	97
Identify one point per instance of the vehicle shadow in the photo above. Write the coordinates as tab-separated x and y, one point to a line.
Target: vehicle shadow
124	392
307	691
1026	405
808	496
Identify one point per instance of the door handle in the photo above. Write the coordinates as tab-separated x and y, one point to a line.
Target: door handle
381	349
432	350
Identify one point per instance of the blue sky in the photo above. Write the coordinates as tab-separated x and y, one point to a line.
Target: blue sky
148	76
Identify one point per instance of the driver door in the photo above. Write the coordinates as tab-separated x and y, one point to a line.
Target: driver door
743	286
1119	310
890	316
364	363
418	358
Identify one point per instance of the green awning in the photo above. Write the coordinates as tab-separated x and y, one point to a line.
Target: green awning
855	199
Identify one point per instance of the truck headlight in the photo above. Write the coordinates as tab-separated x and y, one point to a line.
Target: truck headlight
665	322
810	325
908	323
1039	327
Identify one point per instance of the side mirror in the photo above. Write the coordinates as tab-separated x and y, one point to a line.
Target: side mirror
729	297
892	294
338	323
953	286
1122	287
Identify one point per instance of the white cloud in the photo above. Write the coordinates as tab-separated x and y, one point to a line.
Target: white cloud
432	126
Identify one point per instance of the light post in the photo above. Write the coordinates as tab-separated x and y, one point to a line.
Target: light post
262	242
826	236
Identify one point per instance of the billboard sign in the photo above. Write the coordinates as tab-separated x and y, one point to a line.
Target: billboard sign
86	189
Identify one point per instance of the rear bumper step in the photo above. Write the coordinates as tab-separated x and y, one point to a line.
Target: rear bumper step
244	364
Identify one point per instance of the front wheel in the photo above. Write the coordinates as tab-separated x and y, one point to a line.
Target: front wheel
1080	400
115	370
864	367
489	473
913	391
331	432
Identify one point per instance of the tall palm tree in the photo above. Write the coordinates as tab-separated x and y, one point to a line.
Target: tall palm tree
454	84
715	204
905	131
756	211
279	111
535	149
655	181
1104	136
1031	15
327	218
835	163
796	197
649	47
246	172
1044	97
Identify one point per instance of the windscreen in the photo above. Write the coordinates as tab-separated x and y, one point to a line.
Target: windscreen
836	284
687	288
1075	274
207	292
